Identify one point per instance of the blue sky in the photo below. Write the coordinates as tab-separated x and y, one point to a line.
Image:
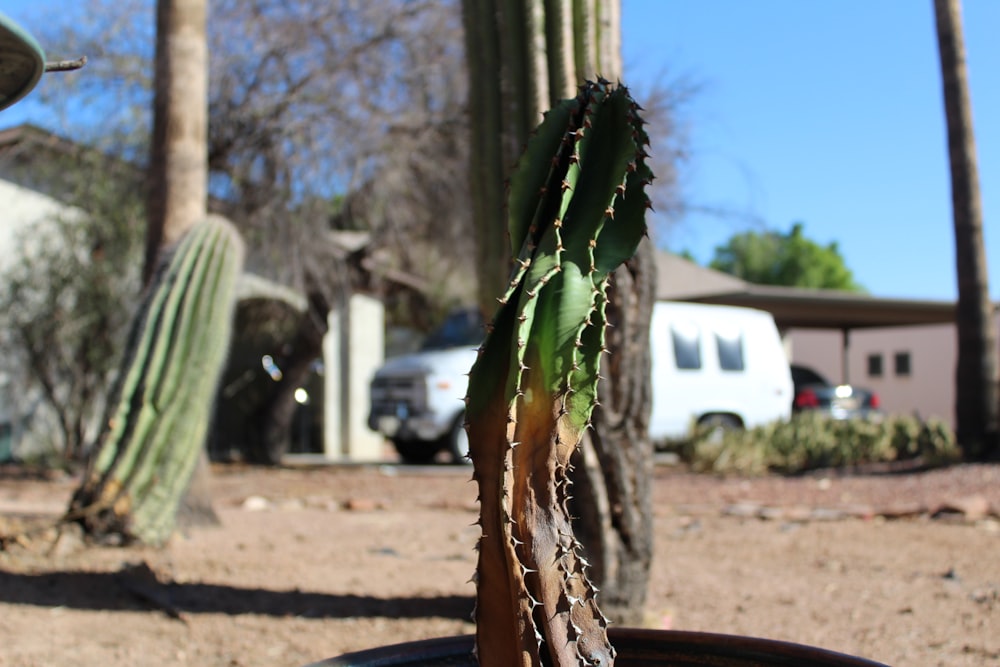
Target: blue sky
827	112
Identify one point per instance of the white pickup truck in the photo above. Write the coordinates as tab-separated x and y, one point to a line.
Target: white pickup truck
719	365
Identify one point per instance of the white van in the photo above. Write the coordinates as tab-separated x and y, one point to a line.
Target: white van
719	365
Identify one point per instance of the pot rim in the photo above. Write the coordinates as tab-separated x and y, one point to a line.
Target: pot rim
641	643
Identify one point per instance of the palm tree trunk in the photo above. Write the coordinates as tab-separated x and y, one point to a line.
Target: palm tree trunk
178	168
976	395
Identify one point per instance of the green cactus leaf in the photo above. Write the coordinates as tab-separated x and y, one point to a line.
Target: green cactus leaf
620	240
588	365
558	314
605	152
494	360
534	172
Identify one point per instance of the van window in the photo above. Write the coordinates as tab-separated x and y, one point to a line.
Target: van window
730	344
687	347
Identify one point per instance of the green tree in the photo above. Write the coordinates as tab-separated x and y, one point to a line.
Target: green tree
977	413
792	260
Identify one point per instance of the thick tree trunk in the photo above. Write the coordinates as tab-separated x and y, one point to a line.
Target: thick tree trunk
976	395
270	437
611	481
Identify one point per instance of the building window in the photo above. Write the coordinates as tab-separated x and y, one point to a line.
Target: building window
687	347
874	365
903	364
730	347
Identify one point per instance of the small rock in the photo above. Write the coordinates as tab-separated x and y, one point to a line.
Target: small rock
798	513
69	540
902	510
988	595
745	510
973	508
686	525
256	504
291	504
363	505
772	513
989	525
385	551
865	512
827	514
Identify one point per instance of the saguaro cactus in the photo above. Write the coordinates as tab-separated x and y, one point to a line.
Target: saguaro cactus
523	57
576	211
156	430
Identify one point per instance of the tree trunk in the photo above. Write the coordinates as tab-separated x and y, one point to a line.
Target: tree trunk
612	499
976	395
178	167
271	436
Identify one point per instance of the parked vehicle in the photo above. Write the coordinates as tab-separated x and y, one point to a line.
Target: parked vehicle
718	366
712	365
416	399
814	392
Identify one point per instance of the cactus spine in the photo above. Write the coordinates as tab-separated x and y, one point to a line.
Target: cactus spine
164	399
576	211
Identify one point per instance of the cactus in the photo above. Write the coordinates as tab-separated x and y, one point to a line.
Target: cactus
524	56
163	402
576	210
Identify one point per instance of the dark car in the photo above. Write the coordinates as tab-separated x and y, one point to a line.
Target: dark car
812	391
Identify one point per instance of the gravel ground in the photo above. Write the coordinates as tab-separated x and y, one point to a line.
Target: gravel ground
899	567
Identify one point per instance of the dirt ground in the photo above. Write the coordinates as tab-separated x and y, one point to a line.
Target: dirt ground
311	563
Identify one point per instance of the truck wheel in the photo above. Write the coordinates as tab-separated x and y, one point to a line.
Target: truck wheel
416	452
716	426
457	442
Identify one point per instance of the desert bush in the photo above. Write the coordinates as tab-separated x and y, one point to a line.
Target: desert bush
811	440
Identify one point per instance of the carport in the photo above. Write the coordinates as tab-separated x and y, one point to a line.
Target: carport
792	307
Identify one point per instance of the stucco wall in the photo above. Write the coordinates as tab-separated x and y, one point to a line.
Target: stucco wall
22	210
928	390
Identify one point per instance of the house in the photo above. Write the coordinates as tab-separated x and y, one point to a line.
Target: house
903	349
912	369
35	186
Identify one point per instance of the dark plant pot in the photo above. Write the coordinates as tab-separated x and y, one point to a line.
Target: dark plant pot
636	648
